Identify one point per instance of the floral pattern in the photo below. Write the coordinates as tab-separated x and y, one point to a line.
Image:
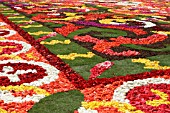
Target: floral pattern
24	77
141	93
98	34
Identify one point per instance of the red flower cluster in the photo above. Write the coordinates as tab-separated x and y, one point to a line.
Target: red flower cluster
24	78
104	46
95	16
47	36
139	95
18	107
99	69
9	47
69	28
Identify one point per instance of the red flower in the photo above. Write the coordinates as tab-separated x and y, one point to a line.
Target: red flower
100	68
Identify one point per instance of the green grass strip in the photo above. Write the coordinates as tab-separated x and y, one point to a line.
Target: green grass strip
167	48
103	31
63	102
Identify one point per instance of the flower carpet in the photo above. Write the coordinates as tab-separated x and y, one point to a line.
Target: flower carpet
85	57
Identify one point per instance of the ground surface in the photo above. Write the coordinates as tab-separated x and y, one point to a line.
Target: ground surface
85	57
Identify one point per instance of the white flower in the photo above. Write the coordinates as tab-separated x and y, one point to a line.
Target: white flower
51	71
83	110
17	8
11	32
147	23
7	97
2	24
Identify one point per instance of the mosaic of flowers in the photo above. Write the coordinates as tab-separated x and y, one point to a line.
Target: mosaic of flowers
46	48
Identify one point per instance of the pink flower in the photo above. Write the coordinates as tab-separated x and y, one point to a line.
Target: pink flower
100	68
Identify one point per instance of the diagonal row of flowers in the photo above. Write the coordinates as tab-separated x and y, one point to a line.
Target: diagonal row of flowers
18	75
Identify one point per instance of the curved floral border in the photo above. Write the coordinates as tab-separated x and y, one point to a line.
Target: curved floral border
75	78
111	93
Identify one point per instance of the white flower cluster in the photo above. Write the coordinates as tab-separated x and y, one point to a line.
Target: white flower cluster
128	3
17	8
11	32
7	97
121	91
83	110
147	23
2	24
14	77
51	71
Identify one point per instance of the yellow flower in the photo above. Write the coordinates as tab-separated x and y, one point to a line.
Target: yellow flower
72	56
11	56
3	111
22	21
4	47
53	42
31	55
68	18
162	32
2	38
163	100
17	17
70	14
150	64
28	26
108	21
122	107
22	88
39	33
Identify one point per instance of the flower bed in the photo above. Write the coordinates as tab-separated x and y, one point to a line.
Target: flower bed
47	48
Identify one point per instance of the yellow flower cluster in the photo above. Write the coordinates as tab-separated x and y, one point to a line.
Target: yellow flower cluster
28	26
2	27
3	47
16	17
162	32
22	21
3	111
72	56
7	13
53	42
70	14
39	33
163	100
32	56
2	38
150	64
67	18
23	88
11	56
122	107
108	21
